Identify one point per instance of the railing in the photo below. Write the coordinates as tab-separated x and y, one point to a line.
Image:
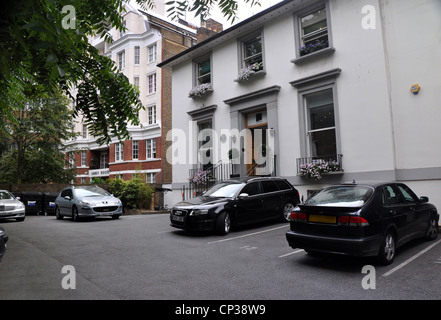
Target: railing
335	162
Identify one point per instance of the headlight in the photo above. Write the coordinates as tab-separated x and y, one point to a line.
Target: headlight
20	206
86	203
198	212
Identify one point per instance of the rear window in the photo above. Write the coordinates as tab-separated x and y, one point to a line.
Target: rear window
341	196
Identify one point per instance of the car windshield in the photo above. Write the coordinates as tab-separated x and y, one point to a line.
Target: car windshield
4	195
224	190
341	196
91	191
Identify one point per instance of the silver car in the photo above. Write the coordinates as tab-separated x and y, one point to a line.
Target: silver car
3	240
86	201
10	207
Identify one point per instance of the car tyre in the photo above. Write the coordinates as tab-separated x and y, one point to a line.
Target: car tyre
75	216
223	223
388	247
432	229
58	213
287	209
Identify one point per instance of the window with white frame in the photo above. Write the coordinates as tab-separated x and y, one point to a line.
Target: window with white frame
137	54
314	33
150	177
103	161
122	60
151	111
136	81
152	53
83	158
135	149
320	124
119	151
152	83
203	71
84	131
252	52
151	148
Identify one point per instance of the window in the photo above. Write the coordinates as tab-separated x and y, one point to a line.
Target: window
150	177
135	149
152	53
84	131
203	68
205	144
151	114
408	195
152	83
83	158
320	124
251	189
313	30
136	81
151	148
103	161
252	53
122	60
119	151
123	32
269	186
137	51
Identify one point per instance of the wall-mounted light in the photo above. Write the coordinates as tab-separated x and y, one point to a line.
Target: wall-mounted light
415	88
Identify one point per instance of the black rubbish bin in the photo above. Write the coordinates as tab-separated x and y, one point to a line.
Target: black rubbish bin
32	201
48	207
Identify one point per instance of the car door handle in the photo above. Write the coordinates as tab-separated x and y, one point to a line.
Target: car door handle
393	212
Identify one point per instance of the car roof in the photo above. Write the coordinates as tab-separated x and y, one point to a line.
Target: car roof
373	184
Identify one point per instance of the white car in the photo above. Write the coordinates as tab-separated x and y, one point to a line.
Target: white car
11	207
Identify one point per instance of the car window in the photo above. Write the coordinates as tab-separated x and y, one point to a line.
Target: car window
341	196
4	195
63	193
251	189
390	196
408	195
283	185
90	192
269	186
224	189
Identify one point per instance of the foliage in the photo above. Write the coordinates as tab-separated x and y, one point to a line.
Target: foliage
247	72
201	177
313	47
316	168
32	144
200	90
134	194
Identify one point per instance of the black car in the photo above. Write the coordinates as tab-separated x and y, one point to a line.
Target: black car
3	240
236	202
362	220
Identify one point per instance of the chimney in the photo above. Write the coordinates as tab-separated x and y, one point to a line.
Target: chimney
208	29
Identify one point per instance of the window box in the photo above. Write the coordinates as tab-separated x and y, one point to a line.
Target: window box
315	167
251	72
201	90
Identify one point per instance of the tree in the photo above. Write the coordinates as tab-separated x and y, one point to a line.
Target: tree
33	149
44	44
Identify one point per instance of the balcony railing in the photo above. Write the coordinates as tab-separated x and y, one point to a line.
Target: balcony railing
330	163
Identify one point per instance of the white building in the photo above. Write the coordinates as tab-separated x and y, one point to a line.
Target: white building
349	100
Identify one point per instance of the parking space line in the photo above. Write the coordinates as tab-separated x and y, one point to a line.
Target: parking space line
411	259
247	235
291	253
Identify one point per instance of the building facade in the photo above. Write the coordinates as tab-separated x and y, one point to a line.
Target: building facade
149	39
318	92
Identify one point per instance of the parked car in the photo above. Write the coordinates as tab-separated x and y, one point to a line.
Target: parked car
11	207
236	202
86	201
3	240
362	220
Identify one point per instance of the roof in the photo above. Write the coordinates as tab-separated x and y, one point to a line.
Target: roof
235	31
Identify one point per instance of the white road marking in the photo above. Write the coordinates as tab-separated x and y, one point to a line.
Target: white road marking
411	259
247	235
291	253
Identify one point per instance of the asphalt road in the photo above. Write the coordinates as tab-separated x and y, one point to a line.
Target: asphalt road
142	257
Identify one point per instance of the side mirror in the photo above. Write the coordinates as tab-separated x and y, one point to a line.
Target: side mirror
243	196
423	200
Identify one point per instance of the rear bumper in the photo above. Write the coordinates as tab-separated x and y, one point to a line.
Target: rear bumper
360	247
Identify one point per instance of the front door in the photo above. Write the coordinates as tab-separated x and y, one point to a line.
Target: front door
256	122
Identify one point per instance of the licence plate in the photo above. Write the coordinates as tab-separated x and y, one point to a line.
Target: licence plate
178	218
322	219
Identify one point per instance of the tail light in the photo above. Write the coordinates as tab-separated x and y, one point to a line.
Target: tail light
298	217
352	221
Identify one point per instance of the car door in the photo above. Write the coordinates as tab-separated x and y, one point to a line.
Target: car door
420	217
248	209
272	199
402	214
66	204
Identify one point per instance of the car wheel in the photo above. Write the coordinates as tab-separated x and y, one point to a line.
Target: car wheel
115	216
75	215
387	249
432	229
287	209
223	223
58	213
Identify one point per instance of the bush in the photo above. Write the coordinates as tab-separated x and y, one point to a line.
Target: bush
134	194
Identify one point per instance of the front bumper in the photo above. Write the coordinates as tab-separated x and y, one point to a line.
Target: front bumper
13	214
360	247
193	223
89	211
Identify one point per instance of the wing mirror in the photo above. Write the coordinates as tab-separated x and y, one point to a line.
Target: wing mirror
243	196
423	199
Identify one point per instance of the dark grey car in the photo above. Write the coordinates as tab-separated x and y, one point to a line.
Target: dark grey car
87	202
3	240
